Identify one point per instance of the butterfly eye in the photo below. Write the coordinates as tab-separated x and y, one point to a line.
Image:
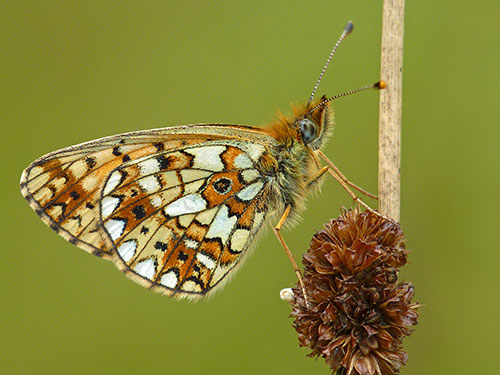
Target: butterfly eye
308	130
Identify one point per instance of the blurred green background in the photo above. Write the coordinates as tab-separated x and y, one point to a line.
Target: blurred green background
79	70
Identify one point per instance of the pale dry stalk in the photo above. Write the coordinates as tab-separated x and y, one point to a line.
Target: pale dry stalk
390	109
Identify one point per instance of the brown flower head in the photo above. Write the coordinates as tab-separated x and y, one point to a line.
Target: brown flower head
358	311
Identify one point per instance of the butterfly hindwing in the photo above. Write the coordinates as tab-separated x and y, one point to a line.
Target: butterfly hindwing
174	208
180	220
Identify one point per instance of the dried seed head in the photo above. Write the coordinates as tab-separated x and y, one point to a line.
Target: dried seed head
359	312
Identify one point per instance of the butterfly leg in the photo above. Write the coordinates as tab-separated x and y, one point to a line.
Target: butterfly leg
318	175
276	230
344	178
354	197
346	187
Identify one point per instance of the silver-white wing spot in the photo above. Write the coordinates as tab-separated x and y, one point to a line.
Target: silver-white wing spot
146	268
113	181
207	157
109	205
149	166
127	250
149	184
192	244
206	261
249	193
115	228
254	150
169	279
222	225
187	204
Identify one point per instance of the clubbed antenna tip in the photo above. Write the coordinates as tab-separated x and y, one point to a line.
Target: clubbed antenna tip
380	85
348	28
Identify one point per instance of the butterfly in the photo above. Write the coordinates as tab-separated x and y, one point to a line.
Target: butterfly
176	209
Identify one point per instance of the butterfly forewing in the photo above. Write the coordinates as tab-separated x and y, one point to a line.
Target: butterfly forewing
173	210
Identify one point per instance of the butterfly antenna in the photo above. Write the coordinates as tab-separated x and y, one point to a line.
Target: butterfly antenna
347	30
380	85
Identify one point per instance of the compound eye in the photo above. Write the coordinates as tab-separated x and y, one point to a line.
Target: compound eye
308	130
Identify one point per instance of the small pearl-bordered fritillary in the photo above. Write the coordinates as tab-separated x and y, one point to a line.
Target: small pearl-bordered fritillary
176	209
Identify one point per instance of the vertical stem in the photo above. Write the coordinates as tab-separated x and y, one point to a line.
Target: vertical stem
390	109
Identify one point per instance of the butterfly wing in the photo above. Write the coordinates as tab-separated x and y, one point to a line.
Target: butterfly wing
174	208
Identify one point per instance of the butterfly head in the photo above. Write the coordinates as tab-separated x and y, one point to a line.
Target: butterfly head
316	124
315	121
310	125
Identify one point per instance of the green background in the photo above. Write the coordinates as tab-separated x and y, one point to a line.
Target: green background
79	70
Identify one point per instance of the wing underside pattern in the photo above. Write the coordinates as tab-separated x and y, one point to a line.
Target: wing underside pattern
181	220
175	215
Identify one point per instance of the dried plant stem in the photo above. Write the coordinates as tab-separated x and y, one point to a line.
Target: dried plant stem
390	109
